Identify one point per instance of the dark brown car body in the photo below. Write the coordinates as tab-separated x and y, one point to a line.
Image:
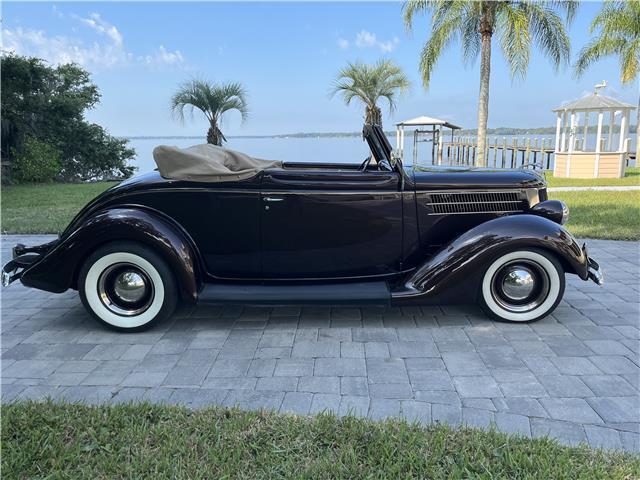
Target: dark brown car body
333	231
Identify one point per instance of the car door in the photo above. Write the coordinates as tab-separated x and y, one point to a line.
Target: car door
330	224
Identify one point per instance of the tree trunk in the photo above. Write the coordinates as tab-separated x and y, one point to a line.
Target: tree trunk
373	115
483	100
214	135
211	136
638	132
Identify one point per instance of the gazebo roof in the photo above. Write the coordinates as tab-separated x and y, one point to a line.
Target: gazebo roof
424	120
594	101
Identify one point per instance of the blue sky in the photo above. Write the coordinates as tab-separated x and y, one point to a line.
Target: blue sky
286	54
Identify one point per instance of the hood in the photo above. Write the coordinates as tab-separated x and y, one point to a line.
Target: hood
436	178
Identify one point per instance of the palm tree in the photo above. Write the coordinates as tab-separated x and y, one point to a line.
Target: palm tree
369	83
517	25
618	33
211	99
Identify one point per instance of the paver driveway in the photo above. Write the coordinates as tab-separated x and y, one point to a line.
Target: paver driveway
573	375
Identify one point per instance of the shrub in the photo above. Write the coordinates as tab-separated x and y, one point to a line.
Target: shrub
37	162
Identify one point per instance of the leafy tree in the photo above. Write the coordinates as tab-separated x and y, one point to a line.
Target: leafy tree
213	100
368	84
90	153
617	32
37	162
517	25
48	103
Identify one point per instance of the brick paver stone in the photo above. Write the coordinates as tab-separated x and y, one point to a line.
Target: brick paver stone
573	376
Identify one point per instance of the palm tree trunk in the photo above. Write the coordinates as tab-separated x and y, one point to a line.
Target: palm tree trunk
638	132
373	115
214	135
211	136
483	99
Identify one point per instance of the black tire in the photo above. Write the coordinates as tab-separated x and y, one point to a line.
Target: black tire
504	284
127	287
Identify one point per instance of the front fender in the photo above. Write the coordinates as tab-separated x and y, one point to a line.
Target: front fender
470	253
57	270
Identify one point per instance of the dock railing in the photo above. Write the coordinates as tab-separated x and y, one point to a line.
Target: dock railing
502	152
510	152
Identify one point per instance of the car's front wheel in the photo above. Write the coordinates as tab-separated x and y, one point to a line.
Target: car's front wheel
127	286
522	286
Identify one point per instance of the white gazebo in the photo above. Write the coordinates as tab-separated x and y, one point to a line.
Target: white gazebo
578	155
436	125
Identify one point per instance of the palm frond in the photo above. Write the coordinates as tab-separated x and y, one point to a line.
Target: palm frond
368	83
515	39
547	30
211	99
630	61
617	33
441	36
190	95
597	49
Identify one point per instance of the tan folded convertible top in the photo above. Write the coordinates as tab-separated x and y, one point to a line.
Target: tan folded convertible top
208	163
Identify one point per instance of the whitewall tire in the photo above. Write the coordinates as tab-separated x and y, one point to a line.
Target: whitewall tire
522	286
127	286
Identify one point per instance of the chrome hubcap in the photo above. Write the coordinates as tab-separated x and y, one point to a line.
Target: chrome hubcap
520	286
129	286
125	289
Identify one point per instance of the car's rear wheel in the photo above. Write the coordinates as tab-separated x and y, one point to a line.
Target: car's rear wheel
127	287
522	286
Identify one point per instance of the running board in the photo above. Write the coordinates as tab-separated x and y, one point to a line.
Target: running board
364	293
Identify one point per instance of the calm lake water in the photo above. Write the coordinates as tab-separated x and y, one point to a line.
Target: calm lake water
310	149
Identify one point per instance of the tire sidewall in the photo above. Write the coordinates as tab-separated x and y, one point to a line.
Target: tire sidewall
165	292
553	270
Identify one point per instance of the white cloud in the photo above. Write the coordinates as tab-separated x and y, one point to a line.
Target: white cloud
365	39
390	45
106	51
61	49
103	27
163	56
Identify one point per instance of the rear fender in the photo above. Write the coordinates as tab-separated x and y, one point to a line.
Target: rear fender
468	255
57	270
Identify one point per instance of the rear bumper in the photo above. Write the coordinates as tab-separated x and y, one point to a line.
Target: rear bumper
23	258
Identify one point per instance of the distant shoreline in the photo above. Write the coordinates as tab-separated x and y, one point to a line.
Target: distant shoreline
390	133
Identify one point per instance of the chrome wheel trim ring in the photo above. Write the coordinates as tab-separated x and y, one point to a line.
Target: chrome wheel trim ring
125	289
526	296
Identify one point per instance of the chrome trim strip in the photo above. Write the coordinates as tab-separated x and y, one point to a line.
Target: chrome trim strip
476	213
474	203
334	192
470	190
272	192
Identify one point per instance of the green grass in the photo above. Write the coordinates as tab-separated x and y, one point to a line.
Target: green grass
49	208
143	441
46	208
608	215
631	177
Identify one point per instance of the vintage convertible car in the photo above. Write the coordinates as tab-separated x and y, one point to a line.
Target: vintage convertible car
300	233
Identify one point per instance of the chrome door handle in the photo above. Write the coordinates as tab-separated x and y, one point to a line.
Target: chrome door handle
273	199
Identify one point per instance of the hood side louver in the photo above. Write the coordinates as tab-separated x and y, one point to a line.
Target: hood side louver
475	202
